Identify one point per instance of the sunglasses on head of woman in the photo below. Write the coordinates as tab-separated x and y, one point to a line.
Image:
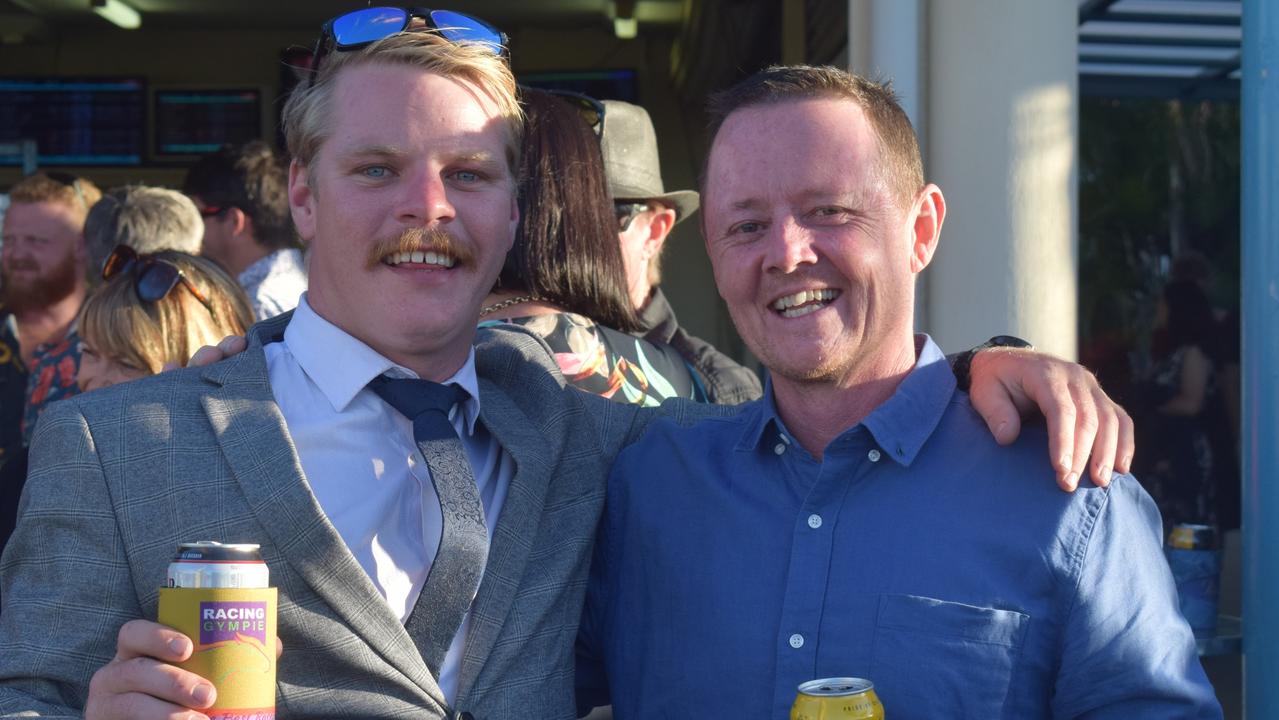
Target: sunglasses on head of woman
154	279
358	28
591	110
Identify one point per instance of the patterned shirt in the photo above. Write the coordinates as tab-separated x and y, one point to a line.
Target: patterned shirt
53	377
274	283
612	364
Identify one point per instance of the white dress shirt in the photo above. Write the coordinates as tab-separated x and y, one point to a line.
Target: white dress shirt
363	465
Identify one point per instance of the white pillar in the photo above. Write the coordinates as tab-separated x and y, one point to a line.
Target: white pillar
1002	97
886	42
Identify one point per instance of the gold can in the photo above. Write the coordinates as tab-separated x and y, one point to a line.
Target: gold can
837	699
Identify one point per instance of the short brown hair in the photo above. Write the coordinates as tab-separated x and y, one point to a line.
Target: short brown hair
307	113
252	178
120	327
902	168
75	192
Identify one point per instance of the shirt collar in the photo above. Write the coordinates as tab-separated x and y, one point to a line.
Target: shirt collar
341	366
900	426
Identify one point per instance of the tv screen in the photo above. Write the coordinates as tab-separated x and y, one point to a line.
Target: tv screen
74	121
195	122
599	84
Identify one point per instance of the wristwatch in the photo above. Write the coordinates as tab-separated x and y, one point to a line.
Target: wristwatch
962	366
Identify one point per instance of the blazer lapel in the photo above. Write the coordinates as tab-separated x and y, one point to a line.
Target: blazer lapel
255	443
535	457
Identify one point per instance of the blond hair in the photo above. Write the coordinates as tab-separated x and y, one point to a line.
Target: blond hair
77	193
308	112
121	327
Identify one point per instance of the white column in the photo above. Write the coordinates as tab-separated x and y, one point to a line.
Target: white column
886	41
1002	97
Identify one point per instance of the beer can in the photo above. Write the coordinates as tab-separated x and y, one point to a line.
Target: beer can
218	596
209	564
837	699
1194	557
1187	536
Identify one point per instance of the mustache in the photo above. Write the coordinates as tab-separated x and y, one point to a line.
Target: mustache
14	265
433	239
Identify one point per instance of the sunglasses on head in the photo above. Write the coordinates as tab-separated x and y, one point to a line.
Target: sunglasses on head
362	27
68	180
154	279
591	110
627	212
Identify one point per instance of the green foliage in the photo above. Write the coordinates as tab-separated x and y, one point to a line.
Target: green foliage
1158	179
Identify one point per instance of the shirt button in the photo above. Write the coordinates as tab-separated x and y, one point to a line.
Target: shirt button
797	641
873	455
814	521
779	448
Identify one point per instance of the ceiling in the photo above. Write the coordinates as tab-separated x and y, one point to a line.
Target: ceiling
1127	48
1187	49
27	16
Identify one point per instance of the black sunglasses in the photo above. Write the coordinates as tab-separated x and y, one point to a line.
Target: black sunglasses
155	279
627	212
591	110
362	27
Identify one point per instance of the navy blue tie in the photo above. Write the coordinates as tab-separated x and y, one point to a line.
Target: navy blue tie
458	567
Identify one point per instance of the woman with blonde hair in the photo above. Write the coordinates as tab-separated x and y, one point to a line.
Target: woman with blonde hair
152	311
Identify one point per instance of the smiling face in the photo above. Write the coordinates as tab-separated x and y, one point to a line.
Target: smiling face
409	210
44	254
813	253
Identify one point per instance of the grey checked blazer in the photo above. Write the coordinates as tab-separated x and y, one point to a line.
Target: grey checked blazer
120	476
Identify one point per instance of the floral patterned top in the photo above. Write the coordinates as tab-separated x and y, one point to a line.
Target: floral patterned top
53	377
610	363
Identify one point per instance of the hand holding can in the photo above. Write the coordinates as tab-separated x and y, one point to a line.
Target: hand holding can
218	596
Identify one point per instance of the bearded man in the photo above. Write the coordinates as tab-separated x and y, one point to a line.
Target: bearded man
43	271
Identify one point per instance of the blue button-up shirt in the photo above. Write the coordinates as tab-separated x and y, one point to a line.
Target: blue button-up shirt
917	553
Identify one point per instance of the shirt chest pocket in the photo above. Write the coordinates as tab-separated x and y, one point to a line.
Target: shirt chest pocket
934	659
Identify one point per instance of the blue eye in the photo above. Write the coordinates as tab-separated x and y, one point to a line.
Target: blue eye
467	176
376	172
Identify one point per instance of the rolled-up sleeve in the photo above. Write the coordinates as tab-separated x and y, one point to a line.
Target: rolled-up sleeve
1127	652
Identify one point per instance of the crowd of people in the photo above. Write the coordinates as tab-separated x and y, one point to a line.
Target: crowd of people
98	288
653	527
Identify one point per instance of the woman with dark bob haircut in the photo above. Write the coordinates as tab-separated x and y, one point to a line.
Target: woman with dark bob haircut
564	279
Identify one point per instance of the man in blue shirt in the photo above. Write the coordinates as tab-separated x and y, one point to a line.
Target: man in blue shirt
859	520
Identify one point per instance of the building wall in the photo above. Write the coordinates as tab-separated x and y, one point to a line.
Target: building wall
992	89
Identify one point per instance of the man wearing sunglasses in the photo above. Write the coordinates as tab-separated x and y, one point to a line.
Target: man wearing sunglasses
428	556
430	541
241	192
646	214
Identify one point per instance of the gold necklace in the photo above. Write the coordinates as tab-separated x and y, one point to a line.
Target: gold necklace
490	309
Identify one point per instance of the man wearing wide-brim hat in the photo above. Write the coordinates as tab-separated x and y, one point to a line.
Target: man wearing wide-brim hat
646	214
